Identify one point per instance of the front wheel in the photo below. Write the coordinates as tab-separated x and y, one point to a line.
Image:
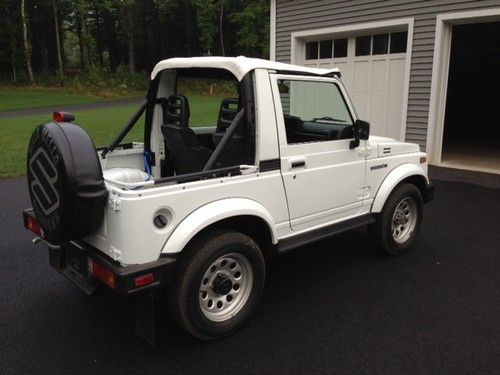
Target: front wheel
398	224
218	284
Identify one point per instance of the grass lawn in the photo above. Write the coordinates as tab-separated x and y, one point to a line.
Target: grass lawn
102	125
14	98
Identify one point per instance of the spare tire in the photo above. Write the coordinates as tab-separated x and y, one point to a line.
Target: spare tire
65	182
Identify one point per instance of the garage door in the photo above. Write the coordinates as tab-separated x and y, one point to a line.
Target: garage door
373	70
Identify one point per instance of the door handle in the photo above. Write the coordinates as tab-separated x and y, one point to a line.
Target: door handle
298	163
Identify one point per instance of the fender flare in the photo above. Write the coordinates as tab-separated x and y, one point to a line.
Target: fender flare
397	175
211	213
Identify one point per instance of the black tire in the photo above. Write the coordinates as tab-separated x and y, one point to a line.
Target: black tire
65	182
185	291
382	230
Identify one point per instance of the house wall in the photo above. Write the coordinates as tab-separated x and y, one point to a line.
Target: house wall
300	15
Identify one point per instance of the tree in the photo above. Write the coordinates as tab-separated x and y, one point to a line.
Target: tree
127	10
206	15
58	44
253	33
26	42
133	33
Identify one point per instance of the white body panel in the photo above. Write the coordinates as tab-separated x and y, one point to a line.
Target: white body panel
213	212
336	183
129	236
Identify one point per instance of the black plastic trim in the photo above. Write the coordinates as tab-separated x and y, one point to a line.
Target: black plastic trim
269	165
124	275
295	73
429	192
233	170
322	233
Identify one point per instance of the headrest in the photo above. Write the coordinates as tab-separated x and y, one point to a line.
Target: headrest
177	111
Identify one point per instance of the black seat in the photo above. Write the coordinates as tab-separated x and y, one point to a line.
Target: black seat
186	154
233	152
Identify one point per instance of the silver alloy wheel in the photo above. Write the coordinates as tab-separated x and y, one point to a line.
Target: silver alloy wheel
404	220
225	287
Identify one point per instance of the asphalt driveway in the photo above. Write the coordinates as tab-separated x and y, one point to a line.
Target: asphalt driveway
331	307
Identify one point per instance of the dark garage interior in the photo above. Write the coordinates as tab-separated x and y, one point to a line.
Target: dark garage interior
471	137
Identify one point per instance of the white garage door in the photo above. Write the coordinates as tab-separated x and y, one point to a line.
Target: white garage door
373	69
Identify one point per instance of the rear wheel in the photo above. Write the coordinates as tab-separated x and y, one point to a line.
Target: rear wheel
218	284
398	224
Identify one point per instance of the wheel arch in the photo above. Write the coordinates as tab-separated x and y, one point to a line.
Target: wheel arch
243	215
405	173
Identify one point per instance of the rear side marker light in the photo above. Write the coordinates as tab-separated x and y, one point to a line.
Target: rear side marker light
144	280
423	159
102	273
33	225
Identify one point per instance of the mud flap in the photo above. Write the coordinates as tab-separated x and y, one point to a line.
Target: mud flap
147	316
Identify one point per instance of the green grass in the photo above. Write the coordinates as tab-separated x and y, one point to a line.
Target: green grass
102	125
14	98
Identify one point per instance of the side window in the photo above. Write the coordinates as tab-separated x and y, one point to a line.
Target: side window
314	111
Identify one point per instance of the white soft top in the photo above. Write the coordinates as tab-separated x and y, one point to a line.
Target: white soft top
239	66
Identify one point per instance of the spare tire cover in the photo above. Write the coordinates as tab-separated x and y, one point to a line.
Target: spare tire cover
65	182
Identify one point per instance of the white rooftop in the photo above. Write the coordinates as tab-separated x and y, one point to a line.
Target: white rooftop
239	66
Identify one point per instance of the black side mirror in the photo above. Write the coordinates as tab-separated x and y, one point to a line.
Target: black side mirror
361	132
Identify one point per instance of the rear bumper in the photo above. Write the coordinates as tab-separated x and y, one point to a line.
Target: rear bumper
78	261
86	266
429	192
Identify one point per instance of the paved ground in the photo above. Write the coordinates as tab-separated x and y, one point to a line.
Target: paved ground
333	307
69	108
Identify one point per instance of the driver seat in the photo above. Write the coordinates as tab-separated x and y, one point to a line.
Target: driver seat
186	154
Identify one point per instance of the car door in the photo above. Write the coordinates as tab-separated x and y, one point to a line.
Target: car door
324	178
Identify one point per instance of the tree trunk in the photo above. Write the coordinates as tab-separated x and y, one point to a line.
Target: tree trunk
27	44
80	46
221	33
60	71
14	74
131	57
99	38
188	26
131	52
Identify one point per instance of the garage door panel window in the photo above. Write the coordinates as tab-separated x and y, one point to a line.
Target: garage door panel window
363	45
340	48
399	42
314	111
326	49
311	50
380	44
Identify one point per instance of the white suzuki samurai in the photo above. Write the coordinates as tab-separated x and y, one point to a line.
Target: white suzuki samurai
192	212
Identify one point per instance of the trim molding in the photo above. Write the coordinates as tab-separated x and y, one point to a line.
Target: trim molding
269	165
440	71
298	240
299	38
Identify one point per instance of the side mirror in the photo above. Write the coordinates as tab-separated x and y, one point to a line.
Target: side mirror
361	132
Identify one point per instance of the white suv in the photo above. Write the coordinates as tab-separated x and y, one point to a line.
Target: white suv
192	212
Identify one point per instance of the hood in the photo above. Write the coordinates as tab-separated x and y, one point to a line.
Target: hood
389	146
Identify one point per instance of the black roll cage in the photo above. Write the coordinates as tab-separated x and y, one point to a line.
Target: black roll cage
147	105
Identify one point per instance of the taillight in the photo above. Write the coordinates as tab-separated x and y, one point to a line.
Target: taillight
33	225
63	116
102	273
144	280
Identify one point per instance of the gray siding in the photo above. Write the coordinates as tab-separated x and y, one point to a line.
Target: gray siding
299	15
